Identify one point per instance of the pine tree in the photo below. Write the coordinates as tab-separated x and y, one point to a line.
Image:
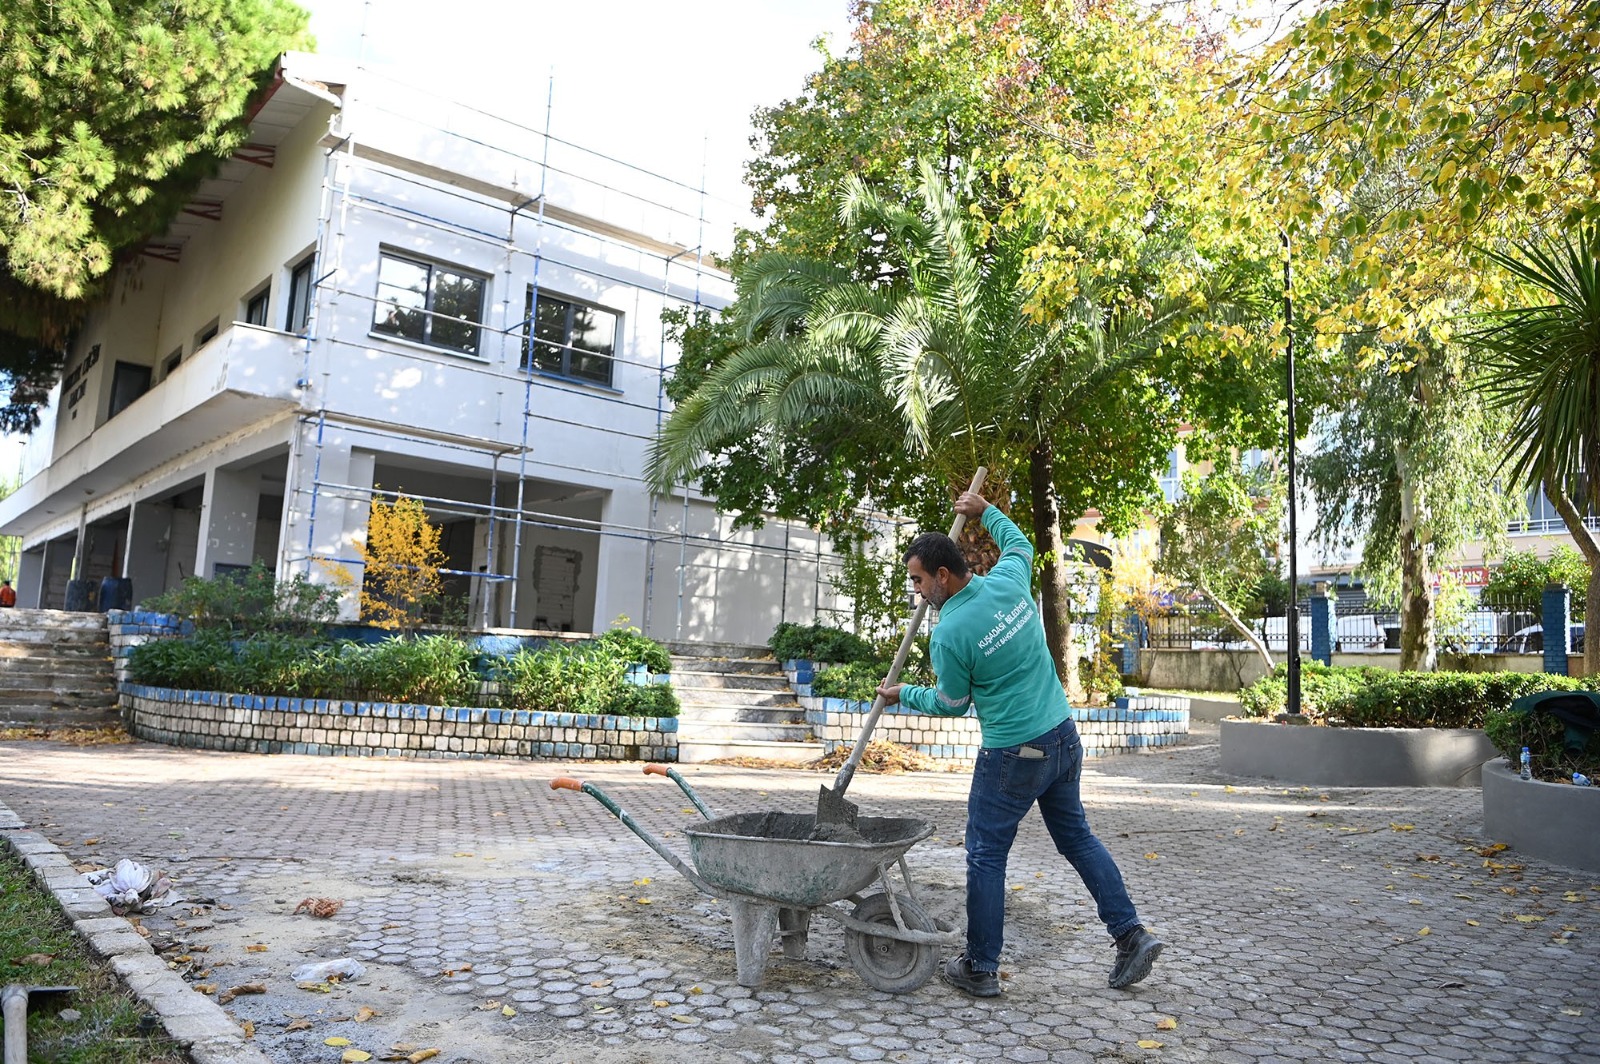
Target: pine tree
110	116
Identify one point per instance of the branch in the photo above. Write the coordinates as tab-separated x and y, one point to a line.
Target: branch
1581	533
1233	619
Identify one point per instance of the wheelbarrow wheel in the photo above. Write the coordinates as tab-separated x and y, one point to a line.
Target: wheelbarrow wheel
890	964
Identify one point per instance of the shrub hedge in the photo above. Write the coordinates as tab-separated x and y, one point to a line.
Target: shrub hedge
818	642
1549	755
437	670
1370	697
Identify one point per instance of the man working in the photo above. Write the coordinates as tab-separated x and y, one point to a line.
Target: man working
989	652
8	596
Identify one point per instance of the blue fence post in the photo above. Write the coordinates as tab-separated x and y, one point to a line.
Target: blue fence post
1321	624
1132	640
1557	611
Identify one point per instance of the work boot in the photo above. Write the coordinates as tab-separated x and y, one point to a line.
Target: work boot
959	973
1136	955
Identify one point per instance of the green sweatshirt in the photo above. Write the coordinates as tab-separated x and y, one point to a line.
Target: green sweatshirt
989	650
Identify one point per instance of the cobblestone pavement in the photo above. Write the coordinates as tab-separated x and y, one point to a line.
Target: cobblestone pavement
502	922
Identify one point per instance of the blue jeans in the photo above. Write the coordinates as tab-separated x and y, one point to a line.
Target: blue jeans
1005	785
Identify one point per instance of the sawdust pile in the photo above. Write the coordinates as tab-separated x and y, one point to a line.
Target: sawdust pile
111	735
880	756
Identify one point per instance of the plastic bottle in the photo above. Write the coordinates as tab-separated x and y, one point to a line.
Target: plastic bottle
1527	771
1580	780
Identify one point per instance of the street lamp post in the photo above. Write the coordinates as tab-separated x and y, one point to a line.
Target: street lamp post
1293	617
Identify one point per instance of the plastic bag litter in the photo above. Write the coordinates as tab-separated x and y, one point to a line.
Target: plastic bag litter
131	886
322	971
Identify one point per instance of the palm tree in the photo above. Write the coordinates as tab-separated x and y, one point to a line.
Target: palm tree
1546	358
941	359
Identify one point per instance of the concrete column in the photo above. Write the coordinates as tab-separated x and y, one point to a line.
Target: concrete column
149	539
1321	624
335	515
30	577
1557	610
620	575
227	520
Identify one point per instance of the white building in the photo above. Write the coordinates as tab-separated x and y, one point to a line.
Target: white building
384	292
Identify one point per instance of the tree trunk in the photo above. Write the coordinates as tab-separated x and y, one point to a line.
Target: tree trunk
1590	547
1048	541
1234	619
1418	646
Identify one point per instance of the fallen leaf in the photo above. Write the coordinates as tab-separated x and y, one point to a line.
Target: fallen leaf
1229	789
243	988
597	983
316	988
256	947
1151	1043
602	1010
489	1006
387	927
463	855
681	1018
34	960
336	1041
696	990
1572	895
1472	923
249	1028
354	1056
1425	931
1572	1012
299	1025
645	882
1401	827
363	1014
322	908
206	988
507	1010
1166	1023
422	1054
1017	887
1529	919
660	1003
643	901
1152	856
458	971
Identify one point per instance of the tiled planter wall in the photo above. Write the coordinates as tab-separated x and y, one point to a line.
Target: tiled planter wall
271	725
1132	725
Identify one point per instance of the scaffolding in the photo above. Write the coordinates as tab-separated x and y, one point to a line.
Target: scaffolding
529	217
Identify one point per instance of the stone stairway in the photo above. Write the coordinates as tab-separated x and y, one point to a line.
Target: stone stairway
55	669
737	703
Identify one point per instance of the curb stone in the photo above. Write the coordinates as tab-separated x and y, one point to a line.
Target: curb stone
190	1018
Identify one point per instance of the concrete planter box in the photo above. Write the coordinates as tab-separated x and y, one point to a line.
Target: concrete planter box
1355	757
1553	822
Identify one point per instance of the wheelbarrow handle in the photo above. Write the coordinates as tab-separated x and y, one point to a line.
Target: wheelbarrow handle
567	783
683	785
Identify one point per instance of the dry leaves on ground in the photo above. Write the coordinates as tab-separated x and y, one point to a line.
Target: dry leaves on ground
322	908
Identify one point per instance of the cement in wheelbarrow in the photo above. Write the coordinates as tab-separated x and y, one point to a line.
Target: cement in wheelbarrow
771	855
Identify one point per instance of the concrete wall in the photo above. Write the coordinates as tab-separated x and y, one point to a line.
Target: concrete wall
1354	757
1553	822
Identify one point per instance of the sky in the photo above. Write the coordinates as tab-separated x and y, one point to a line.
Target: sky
668	85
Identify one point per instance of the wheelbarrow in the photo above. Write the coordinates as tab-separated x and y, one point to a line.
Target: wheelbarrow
776	878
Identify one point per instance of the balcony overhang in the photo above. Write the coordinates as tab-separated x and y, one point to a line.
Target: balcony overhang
243	377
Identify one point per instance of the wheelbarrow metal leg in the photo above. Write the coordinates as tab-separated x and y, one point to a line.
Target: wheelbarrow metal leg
795	926
754	924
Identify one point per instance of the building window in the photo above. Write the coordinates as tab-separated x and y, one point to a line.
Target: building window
128	382
431	304
206	335
256	307
570	339
1543	517
1171	480
171	363
299	310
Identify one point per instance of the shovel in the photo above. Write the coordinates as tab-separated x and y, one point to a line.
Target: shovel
14	1001
836	817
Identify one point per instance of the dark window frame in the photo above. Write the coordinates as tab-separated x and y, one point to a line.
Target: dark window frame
427	315
300	289
564	369
123	371
258	307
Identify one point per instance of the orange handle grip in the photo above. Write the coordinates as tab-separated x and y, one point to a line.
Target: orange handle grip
655	770
566	783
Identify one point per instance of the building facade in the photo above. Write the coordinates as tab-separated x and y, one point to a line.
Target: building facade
388	293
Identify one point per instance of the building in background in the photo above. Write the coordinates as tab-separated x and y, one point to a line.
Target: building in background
385	292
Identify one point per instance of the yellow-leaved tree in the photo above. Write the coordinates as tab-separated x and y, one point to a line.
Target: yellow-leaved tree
402	558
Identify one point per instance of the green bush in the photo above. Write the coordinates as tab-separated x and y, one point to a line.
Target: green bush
818	642
636	648
1549	757
194	663
250	601
1370	697
651	700
435	670
858	680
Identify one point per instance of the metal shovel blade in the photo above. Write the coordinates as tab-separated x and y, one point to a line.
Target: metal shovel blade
834	808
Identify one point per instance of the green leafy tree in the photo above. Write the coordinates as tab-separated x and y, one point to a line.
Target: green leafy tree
1544	357
10	546
1406	466
1221	540
110	117
1522	576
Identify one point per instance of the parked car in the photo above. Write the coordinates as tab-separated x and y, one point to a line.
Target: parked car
1530	640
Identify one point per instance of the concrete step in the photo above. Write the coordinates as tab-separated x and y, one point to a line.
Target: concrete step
16	683
26	699
714	696
699	730
754	714
80	664
85	651
735	666
732	651
744	681
692	752
57	619
53	636
57	716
